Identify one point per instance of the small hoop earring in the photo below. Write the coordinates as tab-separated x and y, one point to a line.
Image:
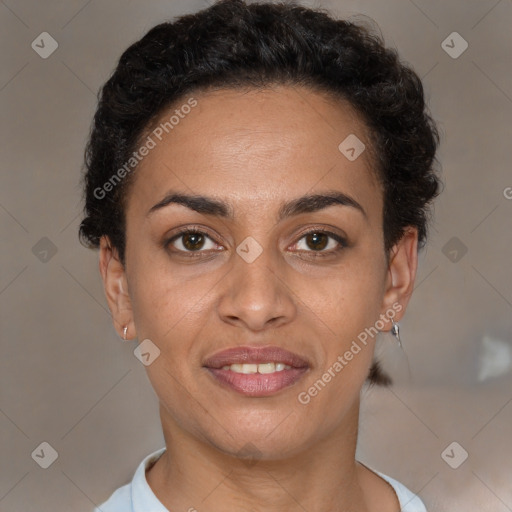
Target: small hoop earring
395	331
124	332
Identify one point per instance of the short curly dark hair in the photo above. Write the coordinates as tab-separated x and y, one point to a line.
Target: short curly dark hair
233	44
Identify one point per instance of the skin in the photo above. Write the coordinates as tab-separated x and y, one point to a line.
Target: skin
255	150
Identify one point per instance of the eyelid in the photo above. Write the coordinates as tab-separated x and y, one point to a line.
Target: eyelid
179	232
339	238
197	229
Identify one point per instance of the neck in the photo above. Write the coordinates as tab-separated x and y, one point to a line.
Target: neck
194	474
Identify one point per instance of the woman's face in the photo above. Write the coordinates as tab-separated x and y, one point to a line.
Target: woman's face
252	276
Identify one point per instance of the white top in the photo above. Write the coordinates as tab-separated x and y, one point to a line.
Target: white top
137	496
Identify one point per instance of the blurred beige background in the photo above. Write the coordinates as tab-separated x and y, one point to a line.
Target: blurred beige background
65	377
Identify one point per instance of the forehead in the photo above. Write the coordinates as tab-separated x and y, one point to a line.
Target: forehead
257	146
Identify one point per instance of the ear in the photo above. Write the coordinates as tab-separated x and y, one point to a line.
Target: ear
401	274
116	288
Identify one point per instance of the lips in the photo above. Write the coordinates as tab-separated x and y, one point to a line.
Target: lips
255	355
288	369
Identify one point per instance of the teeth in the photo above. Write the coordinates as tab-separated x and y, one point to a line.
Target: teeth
257	368
267	368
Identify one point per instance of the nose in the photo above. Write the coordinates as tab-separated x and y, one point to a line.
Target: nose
256	295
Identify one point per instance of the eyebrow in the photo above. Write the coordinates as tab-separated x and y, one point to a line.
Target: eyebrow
305	204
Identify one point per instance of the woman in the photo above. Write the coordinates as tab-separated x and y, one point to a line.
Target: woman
258	183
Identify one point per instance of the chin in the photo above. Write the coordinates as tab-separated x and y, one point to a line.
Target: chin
267	442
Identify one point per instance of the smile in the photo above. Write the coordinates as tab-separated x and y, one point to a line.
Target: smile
256	371
264	368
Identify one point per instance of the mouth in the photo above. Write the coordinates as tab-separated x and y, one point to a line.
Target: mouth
256	371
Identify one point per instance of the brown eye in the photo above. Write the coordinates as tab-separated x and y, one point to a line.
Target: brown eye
191	241
322	242
317	241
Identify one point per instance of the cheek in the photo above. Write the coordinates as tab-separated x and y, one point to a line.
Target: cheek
162	295
172	314
165	309
348	306
344	322
175	311
349	298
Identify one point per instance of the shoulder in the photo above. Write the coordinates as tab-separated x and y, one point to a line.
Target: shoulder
119	501
409	502
135	496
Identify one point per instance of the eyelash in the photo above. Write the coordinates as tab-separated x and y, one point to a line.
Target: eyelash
315	254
